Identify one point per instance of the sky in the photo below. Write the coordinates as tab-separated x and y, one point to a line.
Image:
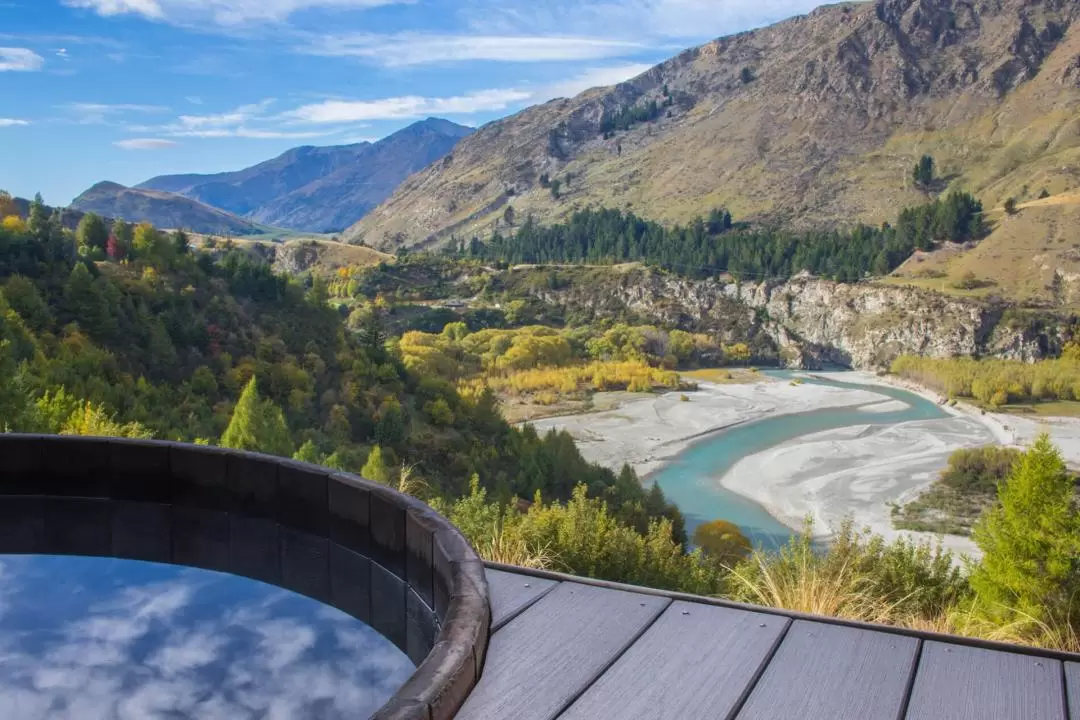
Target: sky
124	90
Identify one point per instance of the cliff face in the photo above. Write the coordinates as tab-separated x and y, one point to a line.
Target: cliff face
810	322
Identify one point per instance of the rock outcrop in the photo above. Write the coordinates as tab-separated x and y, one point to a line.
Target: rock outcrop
810	322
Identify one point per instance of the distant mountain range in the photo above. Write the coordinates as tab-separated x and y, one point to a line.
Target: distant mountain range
307	189
319	189
162	209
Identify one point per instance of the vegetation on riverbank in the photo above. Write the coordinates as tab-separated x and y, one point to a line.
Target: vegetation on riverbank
960	495
997	383
1022	590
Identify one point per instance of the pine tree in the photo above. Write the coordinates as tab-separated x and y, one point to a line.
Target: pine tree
1031	541
180	243
923	174
38	221
257	425
373	337
375	469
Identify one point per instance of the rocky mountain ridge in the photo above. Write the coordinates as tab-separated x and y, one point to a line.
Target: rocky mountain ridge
816	120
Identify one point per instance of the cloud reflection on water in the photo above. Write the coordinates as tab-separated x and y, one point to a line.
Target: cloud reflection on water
107	639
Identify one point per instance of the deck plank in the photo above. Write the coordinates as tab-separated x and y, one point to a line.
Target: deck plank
544	658
511	593
696	661
1072	682
833	672
955	682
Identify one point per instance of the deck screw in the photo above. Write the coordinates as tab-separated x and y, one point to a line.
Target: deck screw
685	612
761	625
528	585
1038	664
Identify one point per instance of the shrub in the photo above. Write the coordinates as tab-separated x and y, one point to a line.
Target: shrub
722	541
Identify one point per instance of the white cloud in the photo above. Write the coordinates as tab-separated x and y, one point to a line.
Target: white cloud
233	117
12	122
419	49
246	121
220	12
107	109
250	133
656	21
89	113
144	144
20	59
348	111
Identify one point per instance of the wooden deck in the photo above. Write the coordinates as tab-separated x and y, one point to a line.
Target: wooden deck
574	650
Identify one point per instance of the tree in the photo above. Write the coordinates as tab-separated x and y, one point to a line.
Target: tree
145	241
124	237
746	75
723	541
373	337
1010	206
1044	194
556	186
508	215
257	425
8	207
309	452
92	420
38	221
1031	541
375	469
923	174
92	232
737	353
180	243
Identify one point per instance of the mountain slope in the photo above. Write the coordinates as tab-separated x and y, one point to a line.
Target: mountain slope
814	121
163	209
320	189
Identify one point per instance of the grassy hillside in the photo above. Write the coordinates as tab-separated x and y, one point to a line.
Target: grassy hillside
814	121
1031	257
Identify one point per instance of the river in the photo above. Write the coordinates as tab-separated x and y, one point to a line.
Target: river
690	479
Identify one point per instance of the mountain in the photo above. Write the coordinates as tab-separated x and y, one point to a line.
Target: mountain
320	189
163	209
814	121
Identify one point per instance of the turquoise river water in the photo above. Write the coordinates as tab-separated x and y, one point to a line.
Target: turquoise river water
691	479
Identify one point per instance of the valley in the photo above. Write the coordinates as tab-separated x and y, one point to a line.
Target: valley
743	325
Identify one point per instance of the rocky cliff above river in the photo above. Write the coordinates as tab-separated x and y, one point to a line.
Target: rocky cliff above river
809	322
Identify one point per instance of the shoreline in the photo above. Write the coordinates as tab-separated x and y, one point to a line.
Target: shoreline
857	471
647	432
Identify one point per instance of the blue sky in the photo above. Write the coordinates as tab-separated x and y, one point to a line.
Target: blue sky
123	90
